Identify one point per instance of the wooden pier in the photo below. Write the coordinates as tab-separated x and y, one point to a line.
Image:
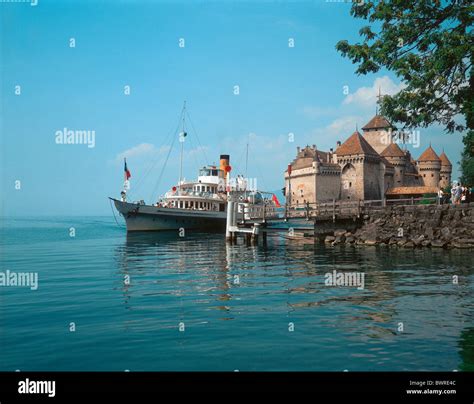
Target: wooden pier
311	219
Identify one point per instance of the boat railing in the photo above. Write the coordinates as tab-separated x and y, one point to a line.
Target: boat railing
208	195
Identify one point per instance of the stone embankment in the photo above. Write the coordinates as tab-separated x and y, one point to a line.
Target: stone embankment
444	226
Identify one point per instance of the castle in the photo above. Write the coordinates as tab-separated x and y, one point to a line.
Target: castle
368	166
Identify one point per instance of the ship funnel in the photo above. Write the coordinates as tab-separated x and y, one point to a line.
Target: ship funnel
224	161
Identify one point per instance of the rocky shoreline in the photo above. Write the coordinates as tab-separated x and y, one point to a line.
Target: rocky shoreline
435	226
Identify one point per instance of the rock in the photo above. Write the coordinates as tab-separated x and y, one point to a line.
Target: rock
402	242
444	226
418	240
466	241
457	244
438	243
429	233
462	243
338	240
445	232
329	239
371	242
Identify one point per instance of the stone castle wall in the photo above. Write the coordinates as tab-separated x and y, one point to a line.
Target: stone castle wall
372	177
328	187
302	186
378	139
445	226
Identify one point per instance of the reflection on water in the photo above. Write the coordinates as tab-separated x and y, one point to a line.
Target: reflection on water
240	307
409	296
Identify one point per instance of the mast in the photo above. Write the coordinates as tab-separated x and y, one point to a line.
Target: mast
246	166
247	156
181	139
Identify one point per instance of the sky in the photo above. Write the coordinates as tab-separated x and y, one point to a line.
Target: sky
123	70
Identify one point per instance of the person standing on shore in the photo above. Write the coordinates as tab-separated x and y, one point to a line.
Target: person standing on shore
440	196
465	195
453	193
459	192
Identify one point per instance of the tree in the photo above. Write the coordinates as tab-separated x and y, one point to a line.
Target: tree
429	44
467	159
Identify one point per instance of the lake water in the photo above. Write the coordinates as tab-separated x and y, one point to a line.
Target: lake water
195	303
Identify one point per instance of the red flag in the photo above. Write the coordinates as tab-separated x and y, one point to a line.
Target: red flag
275	201
126	171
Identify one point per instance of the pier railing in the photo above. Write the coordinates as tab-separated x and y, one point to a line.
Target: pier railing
325	210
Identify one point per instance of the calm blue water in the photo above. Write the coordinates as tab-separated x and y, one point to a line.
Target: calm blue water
229	325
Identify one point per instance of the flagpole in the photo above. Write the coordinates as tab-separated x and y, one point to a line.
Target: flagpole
181	167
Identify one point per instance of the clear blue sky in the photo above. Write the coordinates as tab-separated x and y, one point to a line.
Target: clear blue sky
119	43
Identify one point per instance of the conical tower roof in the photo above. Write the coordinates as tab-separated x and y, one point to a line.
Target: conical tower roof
377	122
355	144
444	159
393	150
429	155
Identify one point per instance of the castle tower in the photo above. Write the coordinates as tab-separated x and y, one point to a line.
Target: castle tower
378	133
360	164
429	167
445	172
312	177
398	159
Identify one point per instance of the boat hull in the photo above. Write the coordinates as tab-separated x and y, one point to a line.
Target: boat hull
151	218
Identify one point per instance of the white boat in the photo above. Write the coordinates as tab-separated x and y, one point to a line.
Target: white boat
198	205
189	205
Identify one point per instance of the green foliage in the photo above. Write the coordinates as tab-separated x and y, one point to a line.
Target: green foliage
467	159
429	45
427	199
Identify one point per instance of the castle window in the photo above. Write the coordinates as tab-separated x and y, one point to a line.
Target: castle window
350	184
432	175
424	175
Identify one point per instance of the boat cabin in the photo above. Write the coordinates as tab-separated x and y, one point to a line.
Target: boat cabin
205	194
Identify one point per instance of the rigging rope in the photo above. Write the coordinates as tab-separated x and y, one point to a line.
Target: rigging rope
197	137
153	164
113	211
163	168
